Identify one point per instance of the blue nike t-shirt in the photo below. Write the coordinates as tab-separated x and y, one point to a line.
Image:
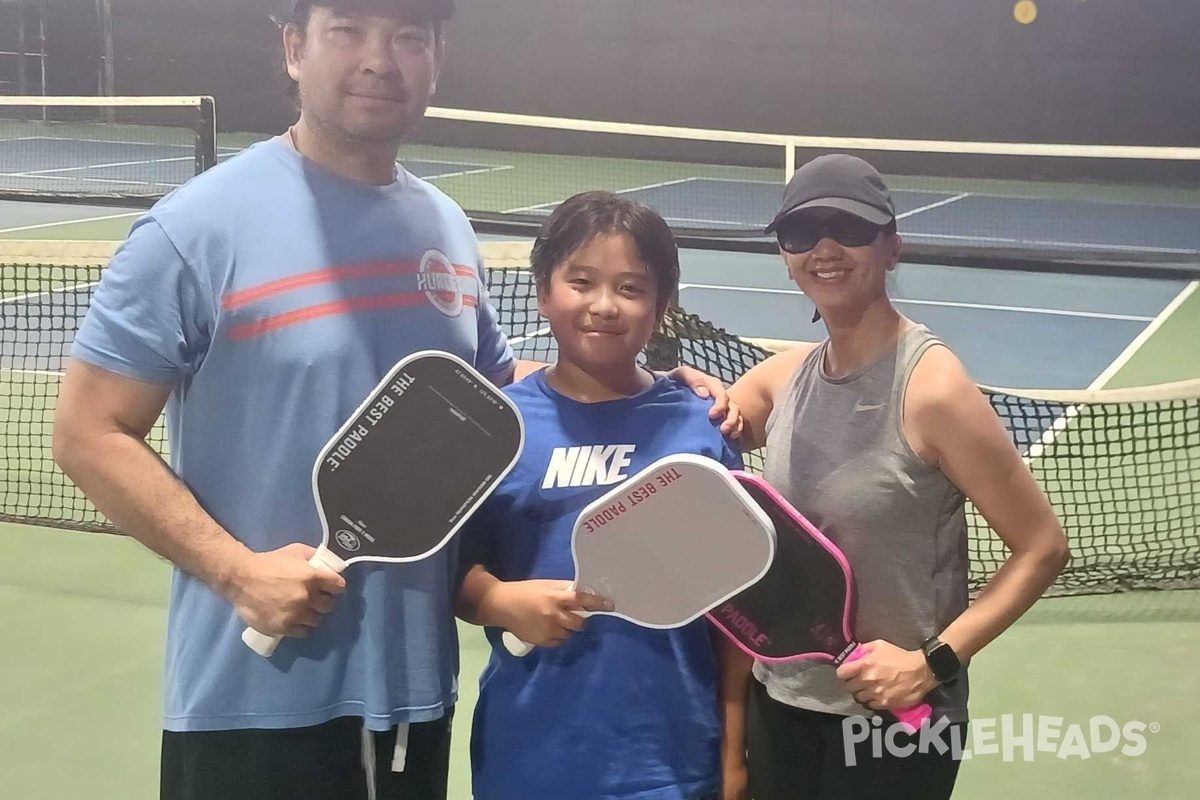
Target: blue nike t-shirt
616	711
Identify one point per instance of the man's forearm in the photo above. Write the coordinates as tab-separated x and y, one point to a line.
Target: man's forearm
131	485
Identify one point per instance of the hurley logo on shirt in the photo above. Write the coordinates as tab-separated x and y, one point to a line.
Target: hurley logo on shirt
589	465
438	280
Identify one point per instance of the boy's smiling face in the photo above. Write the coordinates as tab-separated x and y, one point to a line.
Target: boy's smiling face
602	305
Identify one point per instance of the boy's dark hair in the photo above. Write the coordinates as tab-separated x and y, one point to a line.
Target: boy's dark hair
585	216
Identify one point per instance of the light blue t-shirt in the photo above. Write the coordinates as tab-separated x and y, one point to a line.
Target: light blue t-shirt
617	710
272	295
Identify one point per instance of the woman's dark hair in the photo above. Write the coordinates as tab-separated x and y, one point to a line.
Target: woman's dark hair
585	216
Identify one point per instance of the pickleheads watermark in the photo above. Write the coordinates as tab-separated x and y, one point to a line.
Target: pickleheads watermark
1011	737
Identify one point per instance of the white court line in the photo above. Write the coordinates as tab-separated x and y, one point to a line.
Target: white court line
732	223
931	206
1143	337
143	162
45	372
451	163
1027	242
715	223
83	179
72	288
538	207
106	141
71	222
523	339
481	171
1061	423
728	222
623	191
741	180
1056	312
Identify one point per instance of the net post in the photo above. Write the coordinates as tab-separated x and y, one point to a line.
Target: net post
206	136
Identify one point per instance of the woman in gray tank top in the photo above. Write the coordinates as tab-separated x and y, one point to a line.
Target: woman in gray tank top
878	436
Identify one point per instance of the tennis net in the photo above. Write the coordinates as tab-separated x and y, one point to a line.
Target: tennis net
1122	209
1122	467
115	150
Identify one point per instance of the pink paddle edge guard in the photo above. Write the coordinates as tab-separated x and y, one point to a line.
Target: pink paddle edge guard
911	718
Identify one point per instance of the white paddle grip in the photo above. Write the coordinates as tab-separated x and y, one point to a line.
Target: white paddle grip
260	643
265	645
515	646
519	648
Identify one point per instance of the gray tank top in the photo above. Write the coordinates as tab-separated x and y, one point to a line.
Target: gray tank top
837	451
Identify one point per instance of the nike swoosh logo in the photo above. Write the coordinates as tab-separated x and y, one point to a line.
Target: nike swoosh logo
860	407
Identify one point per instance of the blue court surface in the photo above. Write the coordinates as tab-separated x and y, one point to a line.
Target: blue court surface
1012	329
948	217
49	164
1023	330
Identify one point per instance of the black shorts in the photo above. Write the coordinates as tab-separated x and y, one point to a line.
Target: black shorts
334	761
794	754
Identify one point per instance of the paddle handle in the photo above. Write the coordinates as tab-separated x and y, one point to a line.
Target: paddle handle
265	645
515	646
519	648
911	718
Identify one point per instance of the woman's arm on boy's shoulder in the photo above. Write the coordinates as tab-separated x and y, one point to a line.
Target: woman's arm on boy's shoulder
755	392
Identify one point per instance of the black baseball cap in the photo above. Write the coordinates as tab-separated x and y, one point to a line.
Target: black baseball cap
841	182
438	10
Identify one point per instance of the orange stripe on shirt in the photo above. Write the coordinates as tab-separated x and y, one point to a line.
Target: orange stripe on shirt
379	269
370	303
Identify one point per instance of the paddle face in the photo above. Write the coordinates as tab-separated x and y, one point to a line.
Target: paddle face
425	448
802	606
672	542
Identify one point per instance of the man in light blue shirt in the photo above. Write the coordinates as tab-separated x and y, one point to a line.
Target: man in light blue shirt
258	304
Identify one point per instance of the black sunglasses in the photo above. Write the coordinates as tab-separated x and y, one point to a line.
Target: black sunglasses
801	234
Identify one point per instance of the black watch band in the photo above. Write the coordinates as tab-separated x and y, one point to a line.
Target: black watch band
942	660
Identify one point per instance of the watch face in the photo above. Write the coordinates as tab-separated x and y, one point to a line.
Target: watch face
942	661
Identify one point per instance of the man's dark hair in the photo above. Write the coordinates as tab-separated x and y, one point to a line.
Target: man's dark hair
302	11
585	216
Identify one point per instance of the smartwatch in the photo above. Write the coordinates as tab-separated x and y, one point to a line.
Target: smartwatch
943	661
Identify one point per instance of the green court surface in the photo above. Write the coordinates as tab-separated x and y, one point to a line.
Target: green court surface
82	666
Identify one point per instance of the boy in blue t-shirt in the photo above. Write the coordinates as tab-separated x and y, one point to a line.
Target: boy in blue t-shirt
602	708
